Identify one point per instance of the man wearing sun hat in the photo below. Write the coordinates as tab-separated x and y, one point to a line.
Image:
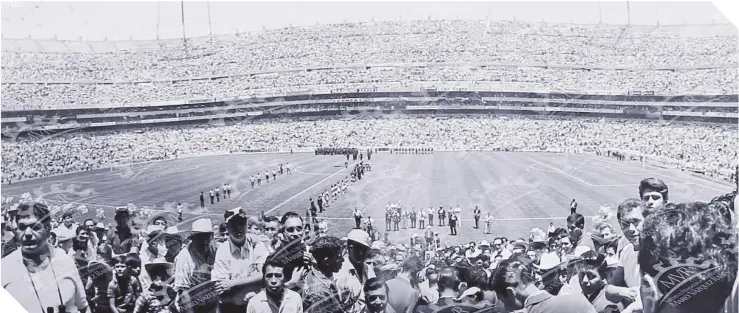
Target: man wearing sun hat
236	271
193	266
354	272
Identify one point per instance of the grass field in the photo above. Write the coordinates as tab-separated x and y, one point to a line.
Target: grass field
522	190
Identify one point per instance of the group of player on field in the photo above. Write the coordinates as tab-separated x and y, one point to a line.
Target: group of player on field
396	217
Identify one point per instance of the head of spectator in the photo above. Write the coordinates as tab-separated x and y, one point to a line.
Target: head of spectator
201	235
82	234
105	254
89	224
133	262
271	226
476	278
630	215
120	268
592	272
327	251
375	294
513	282
575	226
160	222
236	221
688	259
410	268
273	274
122	219
449	281
565	245
68	219
358	246
291	227
254	225
653	192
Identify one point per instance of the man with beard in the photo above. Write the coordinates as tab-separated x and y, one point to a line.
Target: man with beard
354	272
275	297
320	293
193	267
40	277
654	193
625	282
235	269
121	238
375	292
402	290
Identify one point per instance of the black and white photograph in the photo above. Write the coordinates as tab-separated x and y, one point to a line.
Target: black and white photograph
369	157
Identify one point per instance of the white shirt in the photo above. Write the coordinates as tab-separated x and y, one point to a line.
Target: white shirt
291	303
61	272
233	262
628	260
347	279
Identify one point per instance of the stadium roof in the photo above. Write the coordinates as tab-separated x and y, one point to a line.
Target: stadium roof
28	23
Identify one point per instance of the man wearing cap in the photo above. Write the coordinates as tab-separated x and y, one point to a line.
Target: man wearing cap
193	267
354	272
236	268
121	238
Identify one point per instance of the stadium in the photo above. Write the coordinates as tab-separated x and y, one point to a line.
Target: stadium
516	118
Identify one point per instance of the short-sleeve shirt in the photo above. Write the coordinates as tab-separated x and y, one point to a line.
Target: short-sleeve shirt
233	262
124	293
291	303
122	243
53	280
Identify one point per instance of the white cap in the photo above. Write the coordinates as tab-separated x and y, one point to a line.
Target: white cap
359	236
203	225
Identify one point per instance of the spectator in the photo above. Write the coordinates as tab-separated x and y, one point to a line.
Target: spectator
275	297
402	293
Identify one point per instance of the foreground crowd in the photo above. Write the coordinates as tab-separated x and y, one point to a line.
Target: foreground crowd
704	148
671	258
707	64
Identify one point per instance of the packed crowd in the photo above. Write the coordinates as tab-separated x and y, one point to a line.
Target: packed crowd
705	148
667	257
529	55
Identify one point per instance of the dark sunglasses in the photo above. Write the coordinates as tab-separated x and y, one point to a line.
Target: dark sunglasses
653	197
373	298
292	229
35	226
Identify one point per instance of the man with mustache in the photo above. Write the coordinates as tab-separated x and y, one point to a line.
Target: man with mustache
37	275
235	269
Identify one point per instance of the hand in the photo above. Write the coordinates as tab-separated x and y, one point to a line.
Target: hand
224	285
308	259
629	294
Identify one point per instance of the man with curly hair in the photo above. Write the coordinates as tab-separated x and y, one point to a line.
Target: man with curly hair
320	293
688	258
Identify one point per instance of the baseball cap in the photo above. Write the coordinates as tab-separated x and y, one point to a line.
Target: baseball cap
237	213
359	236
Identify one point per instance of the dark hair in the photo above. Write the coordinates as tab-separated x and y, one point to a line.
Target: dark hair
68	213
288	215
477	277
559	231
121	259
274	262
448	279
374	283
40	211
693	232
593	260
88	220
628	205
326	247
133	260
653	184
79	229
270	218
511	272
577	219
